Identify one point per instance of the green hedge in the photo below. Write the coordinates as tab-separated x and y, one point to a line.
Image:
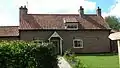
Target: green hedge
21	54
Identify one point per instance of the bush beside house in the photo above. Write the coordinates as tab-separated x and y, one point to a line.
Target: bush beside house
73	60
21	54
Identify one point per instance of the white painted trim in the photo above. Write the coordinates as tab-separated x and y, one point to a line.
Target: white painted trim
71	28
118	42
55	34
77	40
71	24
61	47
77	47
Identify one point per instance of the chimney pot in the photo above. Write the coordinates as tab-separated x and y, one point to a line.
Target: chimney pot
81	8
21	7
98	11
23	11
81	11
25	6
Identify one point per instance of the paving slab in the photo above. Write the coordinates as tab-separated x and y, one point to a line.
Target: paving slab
62	63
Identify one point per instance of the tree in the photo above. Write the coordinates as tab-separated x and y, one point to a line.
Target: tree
113	22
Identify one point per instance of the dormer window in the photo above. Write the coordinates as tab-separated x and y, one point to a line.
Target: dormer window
70	23
72	26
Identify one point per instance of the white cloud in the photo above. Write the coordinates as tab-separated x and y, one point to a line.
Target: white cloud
6	19
104	14
114	10
56	6
9	14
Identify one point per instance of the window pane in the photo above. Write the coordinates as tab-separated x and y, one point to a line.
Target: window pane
75	43
78	43
72	26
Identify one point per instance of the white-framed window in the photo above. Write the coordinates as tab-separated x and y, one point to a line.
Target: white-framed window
71	26
78	43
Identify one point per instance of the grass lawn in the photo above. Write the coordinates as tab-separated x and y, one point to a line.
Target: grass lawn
99	60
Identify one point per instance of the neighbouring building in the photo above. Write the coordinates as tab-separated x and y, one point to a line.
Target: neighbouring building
83	33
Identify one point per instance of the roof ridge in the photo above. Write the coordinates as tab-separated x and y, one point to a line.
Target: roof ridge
90	14
65	14
54	14
9	26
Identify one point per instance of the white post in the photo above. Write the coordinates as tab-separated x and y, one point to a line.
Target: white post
61	47
118	42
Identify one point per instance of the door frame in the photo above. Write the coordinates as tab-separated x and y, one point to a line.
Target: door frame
60	45
56	35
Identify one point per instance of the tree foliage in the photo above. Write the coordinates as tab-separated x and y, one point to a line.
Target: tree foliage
21	54
113	22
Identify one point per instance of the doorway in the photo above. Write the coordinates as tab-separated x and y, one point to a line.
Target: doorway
56	42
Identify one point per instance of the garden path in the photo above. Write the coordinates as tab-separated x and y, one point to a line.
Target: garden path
62	63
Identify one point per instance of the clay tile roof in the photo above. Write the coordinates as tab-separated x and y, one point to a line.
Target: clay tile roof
9	31
55	21
70	20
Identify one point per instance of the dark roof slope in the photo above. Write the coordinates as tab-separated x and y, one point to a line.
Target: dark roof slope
55	21
9	31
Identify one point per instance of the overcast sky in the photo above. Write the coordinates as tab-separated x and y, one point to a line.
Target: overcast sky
9	9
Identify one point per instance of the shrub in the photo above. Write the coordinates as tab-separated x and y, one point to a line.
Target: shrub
70	56
73	60
78	64
21	54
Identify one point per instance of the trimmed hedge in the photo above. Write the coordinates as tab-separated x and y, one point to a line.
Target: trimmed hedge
21	54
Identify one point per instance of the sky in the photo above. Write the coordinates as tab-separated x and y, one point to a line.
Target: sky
9	9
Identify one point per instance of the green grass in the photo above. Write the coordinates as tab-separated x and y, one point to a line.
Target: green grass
99	60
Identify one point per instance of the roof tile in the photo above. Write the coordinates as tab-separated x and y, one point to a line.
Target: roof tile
9	31
55	21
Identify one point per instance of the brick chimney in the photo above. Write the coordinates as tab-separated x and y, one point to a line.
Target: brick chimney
81	11
23	10
98	11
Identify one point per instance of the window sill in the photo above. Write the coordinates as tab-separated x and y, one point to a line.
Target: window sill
78	47
72	28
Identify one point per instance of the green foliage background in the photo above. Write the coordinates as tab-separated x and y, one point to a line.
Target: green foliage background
21	54
113	22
